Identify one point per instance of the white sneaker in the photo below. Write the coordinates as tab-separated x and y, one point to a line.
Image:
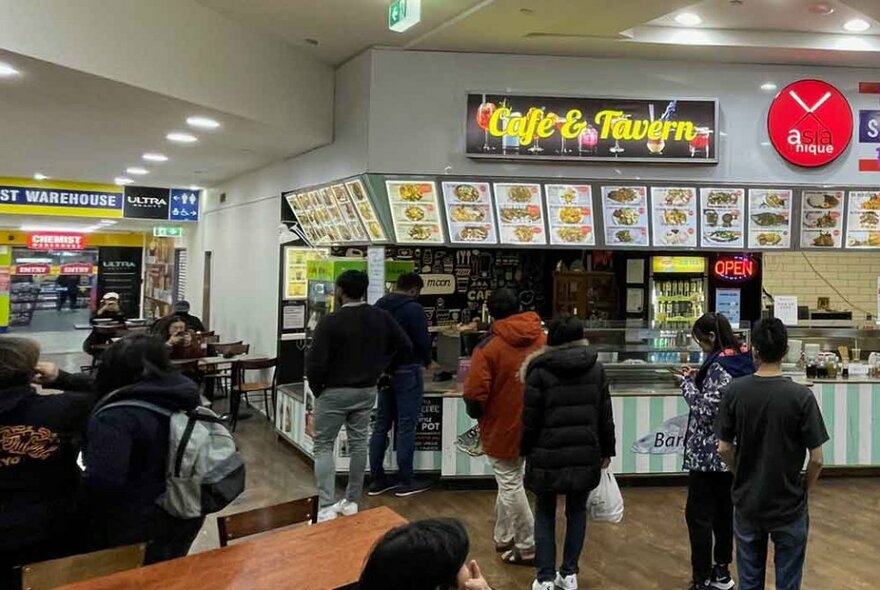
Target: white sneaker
346	508
536	585
328	513
567	582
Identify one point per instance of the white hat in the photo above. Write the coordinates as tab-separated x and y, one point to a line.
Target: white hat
110	295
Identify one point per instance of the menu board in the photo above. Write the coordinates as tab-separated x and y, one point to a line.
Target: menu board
863	220
520	213
307	209
625	210
822	219
769	218
674	211
723	212
365	210
350	217
469	213
295	262
415	211
570	214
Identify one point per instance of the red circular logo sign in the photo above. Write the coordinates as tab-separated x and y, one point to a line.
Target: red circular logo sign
810	123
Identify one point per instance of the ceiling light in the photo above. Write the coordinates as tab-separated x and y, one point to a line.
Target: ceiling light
121	180
196	187
7	70
688	19
57	228
202	123
40	176
181	137
856	25
155	157
137	170
768	86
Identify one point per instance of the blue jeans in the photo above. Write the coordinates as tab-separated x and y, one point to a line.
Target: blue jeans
790	542
545	534
399	406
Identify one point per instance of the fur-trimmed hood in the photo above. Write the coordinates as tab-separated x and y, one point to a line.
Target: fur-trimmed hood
568	357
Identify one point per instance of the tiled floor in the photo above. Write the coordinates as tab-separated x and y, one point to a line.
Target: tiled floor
54	331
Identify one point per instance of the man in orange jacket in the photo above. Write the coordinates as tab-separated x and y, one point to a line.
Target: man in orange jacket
493	393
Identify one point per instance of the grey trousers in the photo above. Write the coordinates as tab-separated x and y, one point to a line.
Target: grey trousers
333	409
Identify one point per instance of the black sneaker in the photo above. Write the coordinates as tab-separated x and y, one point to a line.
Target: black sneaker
721	577
704	585
380	486
416	487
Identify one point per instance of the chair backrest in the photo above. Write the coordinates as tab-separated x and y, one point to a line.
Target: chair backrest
68	570
229	348
240	368
260	520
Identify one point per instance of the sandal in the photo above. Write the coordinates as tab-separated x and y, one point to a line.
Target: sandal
514	557
504	547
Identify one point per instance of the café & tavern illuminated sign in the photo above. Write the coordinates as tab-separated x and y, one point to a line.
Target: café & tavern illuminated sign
604	129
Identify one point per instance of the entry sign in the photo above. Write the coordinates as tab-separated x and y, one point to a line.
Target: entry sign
810	123
168	232
404	14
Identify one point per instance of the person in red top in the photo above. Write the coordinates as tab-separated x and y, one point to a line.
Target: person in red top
493	393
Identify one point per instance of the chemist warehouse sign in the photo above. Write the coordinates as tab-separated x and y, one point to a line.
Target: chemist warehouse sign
22	196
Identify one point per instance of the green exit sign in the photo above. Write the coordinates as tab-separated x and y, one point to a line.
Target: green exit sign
404	14
168	232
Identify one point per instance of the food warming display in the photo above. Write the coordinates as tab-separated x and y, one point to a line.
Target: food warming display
822	219
675	217
365	210
520	213
625	211
415	211
769	218
469	213
723	212
863	220
570	214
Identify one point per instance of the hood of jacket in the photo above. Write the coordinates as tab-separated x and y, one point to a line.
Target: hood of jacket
172	391
394	301
572	357
737	363
12	396
520	330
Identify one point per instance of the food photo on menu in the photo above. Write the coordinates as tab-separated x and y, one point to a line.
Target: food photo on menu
625	211
570	214
675	217
415	211
863	220
822	219
770	218
366	211
723	210
520	213
469	212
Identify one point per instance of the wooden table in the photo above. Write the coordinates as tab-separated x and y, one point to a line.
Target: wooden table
325	556
210	362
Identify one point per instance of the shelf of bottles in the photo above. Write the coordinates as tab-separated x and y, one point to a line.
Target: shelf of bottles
677	303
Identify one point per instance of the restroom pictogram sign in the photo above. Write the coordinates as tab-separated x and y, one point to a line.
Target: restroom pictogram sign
810	123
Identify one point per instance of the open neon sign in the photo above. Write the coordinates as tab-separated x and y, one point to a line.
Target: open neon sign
737	269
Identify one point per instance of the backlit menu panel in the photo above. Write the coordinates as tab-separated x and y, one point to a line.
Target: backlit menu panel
625	212
469	212
570	214
415	211
520	213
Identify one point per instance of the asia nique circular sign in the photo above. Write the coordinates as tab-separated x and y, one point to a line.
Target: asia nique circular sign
810	123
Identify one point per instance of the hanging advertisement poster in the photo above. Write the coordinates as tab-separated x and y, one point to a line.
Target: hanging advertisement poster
469	213
625	211
570	214
863	220
520	213
675	217
769	218
822	219
429	431
723	212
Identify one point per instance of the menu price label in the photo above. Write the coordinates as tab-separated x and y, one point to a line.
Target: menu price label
366	211
723	212
770	218
570	214
625	210
822	219
520	213
415	211
469	213
863	220
675	217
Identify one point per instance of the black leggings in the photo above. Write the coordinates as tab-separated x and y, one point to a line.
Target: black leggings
709	515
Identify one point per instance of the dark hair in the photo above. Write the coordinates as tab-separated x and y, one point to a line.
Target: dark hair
408	281
353	284
715	323
770	340
174	320
18	360
424	555
565	328
503	303
132	359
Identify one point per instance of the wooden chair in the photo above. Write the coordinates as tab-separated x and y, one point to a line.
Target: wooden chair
222	377
68	570
242	388
252	522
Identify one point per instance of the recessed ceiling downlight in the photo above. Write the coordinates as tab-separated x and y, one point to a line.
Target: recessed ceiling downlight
155	157
856	25
202	122
688	19
181	137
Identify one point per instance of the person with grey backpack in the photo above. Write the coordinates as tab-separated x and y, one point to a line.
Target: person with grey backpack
155	462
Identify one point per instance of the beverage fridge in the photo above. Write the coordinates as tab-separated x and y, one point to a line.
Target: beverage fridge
678	289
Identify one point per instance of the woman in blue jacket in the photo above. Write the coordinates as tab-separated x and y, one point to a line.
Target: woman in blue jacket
709	511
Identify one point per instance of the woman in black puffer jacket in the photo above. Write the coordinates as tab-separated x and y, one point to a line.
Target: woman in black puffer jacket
568	438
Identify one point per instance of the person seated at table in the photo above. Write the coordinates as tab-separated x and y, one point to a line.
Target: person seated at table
180	341
180	310
109	313
40	437
127	447
423	555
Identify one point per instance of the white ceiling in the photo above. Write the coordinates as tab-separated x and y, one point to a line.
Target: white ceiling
60	223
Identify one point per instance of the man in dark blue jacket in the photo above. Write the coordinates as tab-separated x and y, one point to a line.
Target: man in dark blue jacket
401	403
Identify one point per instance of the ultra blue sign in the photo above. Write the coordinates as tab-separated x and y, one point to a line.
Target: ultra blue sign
869	126
184	205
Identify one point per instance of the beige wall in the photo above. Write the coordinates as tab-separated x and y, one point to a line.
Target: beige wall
853	274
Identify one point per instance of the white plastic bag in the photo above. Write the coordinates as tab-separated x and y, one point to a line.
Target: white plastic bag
605	503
